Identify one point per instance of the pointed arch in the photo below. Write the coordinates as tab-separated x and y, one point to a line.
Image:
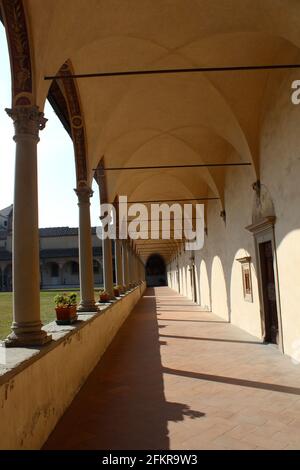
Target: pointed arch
64	97
16	26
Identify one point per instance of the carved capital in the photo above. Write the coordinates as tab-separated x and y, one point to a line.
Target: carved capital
84	193
28	120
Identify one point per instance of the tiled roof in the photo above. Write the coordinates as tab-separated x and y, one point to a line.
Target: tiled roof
61	231
58	231
6	211
67	253
55	253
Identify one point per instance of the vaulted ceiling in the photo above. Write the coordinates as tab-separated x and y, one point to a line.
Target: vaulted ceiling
167	119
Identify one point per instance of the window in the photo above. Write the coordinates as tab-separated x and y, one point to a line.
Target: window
96	267
246	278
74	268
54	270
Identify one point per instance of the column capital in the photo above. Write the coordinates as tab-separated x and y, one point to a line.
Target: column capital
84	193
28	120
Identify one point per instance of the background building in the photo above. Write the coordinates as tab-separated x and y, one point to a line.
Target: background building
59	264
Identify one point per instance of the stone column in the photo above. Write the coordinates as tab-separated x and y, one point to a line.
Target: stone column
133	266
141	271
137	276
86	273
125	263
118	262
136	271
108	267
27	326
130	264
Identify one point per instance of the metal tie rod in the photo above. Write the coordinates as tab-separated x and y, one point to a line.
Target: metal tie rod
201	165
169	200
238	68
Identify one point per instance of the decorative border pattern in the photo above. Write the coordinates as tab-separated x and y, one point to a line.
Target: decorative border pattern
14	16
58	102
19	49
76	120
101	180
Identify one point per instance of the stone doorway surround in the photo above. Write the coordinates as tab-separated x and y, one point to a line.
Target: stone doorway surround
263	231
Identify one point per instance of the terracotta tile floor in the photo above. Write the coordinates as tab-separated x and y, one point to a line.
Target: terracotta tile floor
179	378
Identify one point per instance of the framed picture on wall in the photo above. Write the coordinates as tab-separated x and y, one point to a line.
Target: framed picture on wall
246	278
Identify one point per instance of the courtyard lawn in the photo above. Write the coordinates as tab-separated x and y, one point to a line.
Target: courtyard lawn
47	309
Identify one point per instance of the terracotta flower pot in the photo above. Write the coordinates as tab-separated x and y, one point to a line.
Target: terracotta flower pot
116	292
104	298
66	315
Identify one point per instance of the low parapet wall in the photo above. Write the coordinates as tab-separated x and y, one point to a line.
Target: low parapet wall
37	385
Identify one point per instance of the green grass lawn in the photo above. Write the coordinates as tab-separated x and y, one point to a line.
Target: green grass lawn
47	310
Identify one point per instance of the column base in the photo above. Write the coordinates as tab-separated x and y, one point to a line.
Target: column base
21	338
87	307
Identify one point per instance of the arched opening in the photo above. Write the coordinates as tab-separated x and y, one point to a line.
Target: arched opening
51	274
98	275
6	164
71	274
8	278
156	271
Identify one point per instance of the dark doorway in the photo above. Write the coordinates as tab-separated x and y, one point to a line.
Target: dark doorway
269	292
156	271
193	281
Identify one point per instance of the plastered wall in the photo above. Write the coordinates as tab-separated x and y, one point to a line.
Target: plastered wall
50	380
219	279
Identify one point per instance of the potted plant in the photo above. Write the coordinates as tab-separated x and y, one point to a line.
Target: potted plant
104	296
117	290
65	307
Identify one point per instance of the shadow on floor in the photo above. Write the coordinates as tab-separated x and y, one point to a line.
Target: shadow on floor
221	340
122	405
233	381
192	321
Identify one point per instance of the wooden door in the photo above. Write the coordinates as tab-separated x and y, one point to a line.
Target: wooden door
269	292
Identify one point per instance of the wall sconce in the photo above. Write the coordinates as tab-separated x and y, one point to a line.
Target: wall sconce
223	215
257	187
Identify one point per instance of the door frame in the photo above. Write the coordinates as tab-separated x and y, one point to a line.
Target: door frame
192	270
264	231
193	273
178	277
